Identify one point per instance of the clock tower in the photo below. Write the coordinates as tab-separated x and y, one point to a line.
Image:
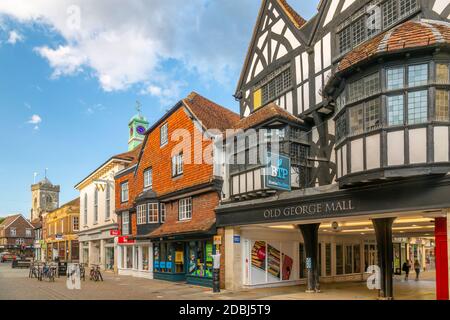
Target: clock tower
138	125
44	197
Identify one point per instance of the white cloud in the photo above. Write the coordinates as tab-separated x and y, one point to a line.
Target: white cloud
126	43
167	93
35	120
14	37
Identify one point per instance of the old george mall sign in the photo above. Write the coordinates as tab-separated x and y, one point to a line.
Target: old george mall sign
312	209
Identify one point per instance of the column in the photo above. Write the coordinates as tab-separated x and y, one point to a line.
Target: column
140	266
150	259
442	269
383	232
310	234
102	257
133	258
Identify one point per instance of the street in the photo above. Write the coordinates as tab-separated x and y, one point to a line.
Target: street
15	285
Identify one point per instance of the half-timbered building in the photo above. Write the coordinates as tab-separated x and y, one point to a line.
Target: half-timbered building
358	98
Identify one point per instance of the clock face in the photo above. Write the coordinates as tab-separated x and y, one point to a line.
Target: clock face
140	130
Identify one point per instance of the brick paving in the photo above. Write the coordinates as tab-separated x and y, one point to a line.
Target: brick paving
15	285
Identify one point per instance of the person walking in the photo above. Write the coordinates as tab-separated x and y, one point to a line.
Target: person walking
417	269
406	267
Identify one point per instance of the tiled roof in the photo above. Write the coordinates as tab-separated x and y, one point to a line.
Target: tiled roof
199	226
409	35
37	223
212	115
292	14
9	219
264	114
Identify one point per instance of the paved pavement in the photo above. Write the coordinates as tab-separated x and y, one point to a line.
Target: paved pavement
15	285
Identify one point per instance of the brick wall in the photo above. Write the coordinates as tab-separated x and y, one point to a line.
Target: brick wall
160	158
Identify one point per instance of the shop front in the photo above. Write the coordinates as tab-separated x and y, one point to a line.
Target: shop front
187	260
135	257
272	241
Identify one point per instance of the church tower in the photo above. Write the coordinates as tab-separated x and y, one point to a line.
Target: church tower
138	125
44	197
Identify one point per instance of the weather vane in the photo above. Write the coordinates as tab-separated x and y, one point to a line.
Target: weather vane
138	106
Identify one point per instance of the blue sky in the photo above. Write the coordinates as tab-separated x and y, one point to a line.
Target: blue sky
66	94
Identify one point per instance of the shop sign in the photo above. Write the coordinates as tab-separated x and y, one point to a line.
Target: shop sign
59	237
114	233
124	240
217	240
237	239
278	172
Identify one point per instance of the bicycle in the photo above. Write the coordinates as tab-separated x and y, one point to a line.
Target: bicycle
95	273
34	270
48	272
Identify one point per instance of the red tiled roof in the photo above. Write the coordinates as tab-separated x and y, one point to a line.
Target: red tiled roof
292	14
130	155
411	34
264	114
212	115
183	227
9	219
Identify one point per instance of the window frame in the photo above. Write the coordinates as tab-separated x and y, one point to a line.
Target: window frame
107	202
164	134
185	209
127	223
122	199
96	205
152	218
177	165
75	224
146	179
141	214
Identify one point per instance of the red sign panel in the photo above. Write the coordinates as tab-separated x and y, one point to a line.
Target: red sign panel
114	233
124	240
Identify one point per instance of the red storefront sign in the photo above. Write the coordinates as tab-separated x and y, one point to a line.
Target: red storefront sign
124	240
114	233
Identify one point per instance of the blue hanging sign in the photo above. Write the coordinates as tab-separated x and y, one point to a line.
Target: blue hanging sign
237	239
278	172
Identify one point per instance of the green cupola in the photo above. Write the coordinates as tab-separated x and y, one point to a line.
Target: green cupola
138	126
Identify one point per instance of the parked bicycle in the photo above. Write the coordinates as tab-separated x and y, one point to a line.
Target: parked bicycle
34	270
48	271
95	273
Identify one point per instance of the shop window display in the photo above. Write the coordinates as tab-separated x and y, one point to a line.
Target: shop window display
328	259
269	263
200	259
339	260
145	258
129	257
109	254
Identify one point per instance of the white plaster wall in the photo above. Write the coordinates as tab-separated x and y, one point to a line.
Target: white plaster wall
306	96
344	160
373	151
396	148
418	146
441	144
338	162
357	163
326	51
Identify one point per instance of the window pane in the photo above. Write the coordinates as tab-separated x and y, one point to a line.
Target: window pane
345	43
407	7
341	127
372	115
417	107
395	78
348	259
418	75
390	13
358	28
373	21
339	260
442	105
372	84
442	73
356	120
356	90
395	110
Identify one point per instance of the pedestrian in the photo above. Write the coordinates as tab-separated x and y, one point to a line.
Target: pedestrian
406	267
417	269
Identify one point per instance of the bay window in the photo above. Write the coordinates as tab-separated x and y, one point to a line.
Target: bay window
141	214
442	73
357	119
395	78
417	75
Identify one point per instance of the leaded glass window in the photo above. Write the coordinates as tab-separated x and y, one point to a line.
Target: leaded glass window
390	13
372	119
372	84
373	22
407	7
395	110
358	29
341	127
276	86
356	91
417	107
357	120
395	78
442	105
442	72
418	75
345	40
